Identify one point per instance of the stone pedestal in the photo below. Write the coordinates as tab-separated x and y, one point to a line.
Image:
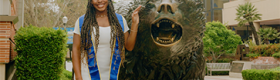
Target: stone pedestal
237	67
2	71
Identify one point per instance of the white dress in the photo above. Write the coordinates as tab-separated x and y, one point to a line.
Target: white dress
103	52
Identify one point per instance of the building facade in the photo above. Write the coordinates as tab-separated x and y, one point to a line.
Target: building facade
268	8
11	18
213	9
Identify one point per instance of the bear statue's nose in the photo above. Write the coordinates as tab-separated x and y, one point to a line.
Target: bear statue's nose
166	7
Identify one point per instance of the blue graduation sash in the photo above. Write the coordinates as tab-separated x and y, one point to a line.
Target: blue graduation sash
115	58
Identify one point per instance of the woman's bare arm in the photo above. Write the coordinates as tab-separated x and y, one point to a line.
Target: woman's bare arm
130	39
76	58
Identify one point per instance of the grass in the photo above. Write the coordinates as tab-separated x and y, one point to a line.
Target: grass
67	75
275	69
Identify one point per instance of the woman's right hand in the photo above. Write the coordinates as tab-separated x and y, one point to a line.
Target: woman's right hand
135	16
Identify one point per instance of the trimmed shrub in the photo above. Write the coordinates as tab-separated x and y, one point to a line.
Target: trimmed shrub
276	55
225	60
217	72
265	50
67	75
220	72
41	53
254	74
252	55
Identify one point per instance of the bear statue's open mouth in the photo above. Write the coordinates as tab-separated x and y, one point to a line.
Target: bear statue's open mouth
166	32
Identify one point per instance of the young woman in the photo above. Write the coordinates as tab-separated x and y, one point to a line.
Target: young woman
100	38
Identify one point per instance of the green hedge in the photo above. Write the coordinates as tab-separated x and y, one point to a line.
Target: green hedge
254	74
252	55
41	53
223	60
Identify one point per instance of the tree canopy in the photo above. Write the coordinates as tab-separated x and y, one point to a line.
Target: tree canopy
218	40
49	13
268	34
247	13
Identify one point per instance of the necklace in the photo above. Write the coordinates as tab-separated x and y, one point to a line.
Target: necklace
101	15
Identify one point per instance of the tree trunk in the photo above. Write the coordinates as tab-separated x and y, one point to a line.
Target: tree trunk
254	33
266	41
214	59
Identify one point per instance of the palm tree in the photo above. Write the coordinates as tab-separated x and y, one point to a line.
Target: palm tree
247	13
268	34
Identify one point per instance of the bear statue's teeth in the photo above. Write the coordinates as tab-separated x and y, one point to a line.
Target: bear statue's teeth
164	40
157	38
172	39
173	25
158	25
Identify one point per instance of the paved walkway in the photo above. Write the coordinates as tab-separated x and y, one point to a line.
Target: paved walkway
69	68
220	78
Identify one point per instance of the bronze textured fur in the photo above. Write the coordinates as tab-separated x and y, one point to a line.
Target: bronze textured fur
169	42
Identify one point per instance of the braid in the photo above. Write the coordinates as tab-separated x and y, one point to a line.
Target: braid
116	30
87	30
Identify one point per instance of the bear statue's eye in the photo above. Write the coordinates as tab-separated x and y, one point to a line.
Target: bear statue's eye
153	0
150	5
177	0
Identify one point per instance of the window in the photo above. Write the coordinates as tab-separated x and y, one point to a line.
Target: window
213	10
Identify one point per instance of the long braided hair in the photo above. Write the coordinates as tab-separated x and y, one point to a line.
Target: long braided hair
90	23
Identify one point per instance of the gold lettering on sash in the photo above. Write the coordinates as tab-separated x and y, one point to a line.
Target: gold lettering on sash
91	56
116	57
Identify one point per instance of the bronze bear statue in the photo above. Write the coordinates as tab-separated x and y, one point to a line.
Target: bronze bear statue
169	41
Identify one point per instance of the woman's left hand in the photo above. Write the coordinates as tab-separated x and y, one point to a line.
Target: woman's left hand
135	16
